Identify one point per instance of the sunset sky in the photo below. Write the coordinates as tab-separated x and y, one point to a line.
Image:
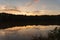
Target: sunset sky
32	5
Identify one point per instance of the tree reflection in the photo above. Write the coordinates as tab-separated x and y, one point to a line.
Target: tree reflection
52	35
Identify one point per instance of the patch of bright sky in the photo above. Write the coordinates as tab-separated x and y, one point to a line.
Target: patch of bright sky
41	5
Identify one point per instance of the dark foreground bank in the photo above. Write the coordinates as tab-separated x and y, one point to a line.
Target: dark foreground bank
10	20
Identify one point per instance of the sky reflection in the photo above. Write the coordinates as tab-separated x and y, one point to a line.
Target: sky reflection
25	32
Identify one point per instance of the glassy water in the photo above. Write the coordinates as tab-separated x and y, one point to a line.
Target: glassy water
25	32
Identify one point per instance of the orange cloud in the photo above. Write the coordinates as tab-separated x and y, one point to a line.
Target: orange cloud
36	1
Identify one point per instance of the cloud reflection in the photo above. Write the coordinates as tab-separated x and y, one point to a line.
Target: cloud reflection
24	32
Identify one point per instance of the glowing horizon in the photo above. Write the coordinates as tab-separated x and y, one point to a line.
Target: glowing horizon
33	13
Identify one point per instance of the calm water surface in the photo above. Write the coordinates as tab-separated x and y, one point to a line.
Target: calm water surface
25	32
